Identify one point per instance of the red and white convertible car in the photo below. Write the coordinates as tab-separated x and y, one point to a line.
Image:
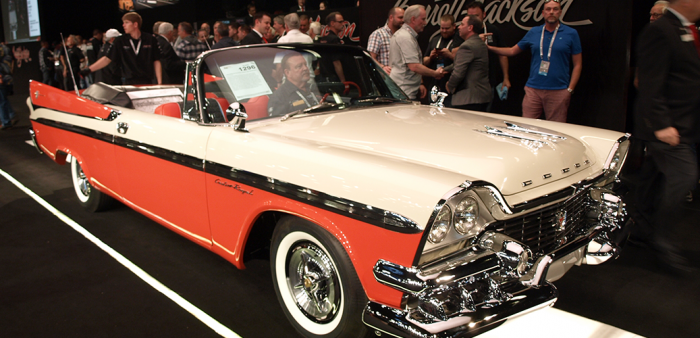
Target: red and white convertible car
380	213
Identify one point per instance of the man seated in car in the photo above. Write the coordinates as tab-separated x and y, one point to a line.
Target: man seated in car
297	92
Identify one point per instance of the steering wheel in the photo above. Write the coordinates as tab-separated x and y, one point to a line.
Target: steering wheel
347	87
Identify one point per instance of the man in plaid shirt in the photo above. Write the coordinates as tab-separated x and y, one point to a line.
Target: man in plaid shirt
379	40
189	47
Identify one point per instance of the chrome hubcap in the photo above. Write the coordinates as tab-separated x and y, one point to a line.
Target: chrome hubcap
313	282
82	182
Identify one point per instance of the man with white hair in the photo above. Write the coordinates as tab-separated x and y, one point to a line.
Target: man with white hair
173	66
657	10
406	57
112	73
293	32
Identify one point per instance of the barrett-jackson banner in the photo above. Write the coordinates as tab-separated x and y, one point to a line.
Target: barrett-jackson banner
604	27
351	34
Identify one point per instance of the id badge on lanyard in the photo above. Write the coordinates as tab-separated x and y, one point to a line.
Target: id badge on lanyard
441	61
544	65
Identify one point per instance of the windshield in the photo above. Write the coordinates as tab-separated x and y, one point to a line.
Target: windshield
277	80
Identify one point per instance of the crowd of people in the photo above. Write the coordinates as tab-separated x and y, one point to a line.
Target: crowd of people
160	56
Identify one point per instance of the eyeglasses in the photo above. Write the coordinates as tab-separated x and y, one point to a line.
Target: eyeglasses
655	15
557	1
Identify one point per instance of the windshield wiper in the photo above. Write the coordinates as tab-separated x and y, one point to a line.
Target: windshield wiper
376	99
323	106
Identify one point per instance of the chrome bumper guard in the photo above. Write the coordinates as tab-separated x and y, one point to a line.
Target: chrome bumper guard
477	289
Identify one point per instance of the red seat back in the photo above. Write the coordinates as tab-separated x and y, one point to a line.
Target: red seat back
256	107
171	109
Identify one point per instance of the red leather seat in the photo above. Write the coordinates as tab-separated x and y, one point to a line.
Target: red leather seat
171	109
256	107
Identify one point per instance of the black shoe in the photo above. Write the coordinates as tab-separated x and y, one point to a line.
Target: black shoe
14	122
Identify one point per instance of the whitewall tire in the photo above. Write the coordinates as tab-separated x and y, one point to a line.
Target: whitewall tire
315	281
88	197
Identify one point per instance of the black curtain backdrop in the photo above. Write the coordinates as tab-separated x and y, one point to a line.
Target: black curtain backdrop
604	26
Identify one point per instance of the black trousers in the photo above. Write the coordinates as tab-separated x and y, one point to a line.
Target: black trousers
659	190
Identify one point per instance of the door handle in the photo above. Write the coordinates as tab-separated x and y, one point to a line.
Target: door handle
122	127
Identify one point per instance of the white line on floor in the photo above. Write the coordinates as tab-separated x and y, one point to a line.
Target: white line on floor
201	315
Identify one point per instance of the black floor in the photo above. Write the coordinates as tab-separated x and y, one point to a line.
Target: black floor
55	283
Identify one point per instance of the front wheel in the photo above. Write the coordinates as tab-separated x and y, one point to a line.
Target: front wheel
88	197
315	281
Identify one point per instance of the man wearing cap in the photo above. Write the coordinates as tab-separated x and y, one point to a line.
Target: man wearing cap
111	74
136	53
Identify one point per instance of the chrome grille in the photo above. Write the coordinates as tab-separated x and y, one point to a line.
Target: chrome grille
539	229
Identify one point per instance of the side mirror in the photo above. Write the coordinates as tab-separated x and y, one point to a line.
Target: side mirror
236	115
437	97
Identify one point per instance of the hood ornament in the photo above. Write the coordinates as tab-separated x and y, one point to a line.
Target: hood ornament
437	97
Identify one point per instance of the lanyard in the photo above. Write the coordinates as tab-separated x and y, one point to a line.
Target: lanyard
304	98
549	55
440	41
137	48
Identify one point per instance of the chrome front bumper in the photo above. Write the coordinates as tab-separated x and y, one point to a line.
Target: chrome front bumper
476	289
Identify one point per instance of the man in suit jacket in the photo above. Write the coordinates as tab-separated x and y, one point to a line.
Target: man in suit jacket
262	25
668	110
469	82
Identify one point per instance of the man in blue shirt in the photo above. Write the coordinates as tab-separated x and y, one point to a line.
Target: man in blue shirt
553	46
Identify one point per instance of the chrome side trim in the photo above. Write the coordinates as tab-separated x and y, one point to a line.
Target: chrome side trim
365	213
76	129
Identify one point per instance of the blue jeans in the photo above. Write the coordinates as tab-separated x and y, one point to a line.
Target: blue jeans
6	111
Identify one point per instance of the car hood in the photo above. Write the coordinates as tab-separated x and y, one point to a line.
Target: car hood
447	139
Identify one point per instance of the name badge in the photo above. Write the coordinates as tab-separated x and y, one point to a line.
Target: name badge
687	37
544	68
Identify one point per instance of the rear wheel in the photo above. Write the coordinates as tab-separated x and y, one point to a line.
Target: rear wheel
315	281
88	197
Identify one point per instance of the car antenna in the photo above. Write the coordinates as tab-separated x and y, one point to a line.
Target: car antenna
75	84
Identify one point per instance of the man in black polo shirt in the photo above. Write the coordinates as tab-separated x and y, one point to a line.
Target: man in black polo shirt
296	93
331	65
137	53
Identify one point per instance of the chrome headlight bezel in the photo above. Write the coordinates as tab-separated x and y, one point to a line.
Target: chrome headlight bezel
441	226
454	239
466	216
615	161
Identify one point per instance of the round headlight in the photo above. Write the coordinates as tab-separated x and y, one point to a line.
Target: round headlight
441	225
466	215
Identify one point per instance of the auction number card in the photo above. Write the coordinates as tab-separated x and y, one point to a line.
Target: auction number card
245	80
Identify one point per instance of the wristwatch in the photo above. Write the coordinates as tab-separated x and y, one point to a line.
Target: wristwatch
570	90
